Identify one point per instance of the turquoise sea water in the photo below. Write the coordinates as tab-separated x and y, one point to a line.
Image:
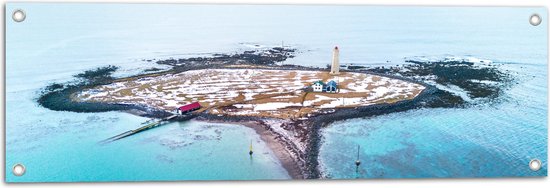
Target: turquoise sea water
496	140
58	41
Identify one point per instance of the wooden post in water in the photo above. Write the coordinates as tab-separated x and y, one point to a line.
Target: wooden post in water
250	152
358	162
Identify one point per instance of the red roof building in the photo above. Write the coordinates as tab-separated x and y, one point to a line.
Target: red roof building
189	107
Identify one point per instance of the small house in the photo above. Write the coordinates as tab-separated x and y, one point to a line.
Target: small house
318	86
188	108
331	87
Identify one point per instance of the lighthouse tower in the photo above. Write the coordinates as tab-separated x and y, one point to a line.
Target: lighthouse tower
335	68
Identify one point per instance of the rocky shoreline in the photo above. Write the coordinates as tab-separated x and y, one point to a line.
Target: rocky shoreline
300	162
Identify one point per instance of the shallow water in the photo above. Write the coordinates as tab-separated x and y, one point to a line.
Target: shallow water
487	140
56	42
479	142
63	146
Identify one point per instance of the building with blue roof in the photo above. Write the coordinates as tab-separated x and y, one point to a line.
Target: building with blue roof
320	86
331	87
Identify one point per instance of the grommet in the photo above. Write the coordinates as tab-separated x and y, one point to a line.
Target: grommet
535	165
18	169
535	19
18	15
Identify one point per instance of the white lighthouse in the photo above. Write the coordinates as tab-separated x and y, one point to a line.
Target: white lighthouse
335	68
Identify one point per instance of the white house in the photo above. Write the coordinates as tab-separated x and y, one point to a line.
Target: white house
318	86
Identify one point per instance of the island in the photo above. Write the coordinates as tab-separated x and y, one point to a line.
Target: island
286	104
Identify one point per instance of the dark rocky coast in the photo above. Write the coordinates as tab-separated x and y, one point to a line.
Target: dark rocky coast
477	83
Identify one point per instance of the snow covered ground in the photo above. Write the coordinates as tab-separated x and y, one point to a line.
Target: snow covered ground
270	93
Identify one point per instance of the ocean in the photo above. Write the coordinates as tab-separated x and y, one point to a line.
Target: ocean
57	41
